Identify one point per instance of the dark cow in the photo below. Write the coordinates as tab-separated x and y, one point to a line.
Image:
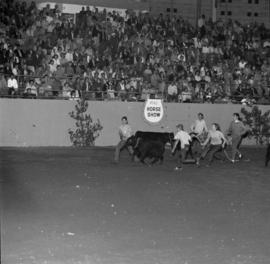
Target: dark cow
164	137
267	156
150	145
150	149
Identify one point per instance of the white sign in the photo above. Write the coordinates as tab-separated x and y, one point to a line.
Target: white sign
153	111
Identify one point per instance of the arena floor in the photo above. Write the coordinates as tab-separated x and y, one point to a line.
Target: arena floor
63	205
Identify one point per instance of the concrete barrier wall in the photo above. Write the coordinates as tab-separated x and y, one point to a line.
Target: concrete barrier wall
46	122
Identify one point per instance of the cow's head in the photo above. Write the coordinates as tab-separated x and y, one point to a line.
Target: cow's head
170	139
131	141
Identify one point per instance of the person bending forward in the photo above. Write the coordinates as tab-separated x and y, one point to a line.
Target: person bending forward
217	143
184	138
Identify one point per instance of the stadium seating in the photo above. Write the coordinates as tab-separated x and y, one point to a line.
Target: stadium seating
105	56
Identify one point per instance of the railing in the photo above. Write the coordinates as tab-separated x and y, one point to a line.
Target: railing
113	94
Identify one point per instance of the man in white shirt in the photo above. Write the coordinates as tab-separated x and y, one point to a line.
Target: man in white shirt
184	139
199	128
69	55
125	132
12	84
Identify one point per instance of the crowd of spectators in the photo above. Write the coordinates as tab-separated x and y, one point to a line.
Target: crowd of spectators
105	56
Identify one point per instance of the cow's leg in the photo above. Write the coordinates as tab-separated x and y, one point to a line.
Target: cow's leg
154	160
161	159
142	157
136	153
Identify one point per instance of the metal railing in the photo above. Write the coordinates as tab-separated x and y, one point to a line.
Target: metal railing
111	94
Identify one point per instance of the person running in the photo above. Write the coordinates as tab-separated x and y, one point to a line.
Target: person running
199	128
125	132
237	131
217	143
184	138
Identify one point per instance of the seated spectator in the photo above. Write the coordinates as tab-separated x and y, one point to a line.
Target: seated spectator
45	88
74	95
186	96
52	67
59	73
110	91
67	90
30	90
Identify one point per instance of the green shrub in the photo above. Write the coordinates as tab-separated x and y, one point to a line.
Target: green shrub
86	129
258	122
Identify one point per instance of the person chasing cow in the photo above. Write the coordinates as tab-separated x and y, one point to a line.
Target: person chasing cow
217	144
199	128
184	139
237	131
125	132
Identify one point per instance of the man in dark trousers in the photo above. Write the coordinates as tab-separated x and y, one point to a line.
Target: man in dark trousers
237	131
125	132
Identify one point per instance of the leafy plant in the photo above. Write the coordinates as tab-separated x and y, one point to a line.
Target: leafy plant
258	122
86	129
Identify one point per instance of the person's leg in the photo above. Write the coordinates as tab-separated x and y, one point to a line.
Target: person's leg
235	146
205	151
213	150
181	159
238	148
202	155
118	148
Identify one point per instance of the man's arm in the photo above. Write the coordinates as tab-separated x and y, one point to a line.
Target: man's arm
206	141
243	129
175	145
192	127
120	133
229	131
223	139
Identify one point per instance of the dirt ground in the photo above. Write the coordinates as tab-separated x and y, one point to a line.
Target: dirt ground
66	205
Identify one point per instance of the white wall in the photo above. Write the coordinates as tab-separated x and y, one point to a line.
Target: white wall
46	122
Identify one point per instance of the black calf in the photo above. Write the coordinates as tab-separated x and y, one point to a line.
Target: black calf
147	149
164	137
150	149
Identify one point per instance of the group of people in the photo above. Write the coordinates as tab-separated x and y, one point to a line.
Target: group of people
211	141
103	55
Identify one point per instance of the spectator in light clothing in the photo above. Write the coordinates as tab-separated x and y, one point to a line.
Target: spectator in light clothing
217	143
172	92
31	89
12	85
199	128
125	132
237	131
184	139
